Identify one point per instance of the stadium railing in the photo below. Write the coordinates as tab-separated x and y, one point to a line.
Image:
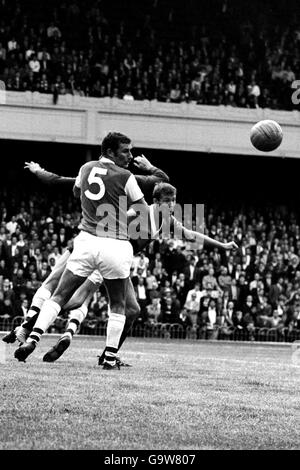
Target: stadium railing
174	331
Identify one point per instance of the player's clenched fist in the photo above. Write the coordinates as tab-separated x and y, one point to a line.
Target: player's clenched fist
142	163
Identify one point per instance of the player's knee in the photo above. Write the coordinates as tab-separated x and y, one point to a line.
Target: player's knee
118	307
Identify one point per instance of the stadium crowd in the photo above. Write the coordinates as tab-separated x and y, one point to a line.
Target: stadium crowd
205	291
219	52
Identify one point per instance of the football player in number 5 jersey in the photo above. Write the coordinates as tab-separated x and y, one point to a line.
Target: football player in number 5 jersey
104	187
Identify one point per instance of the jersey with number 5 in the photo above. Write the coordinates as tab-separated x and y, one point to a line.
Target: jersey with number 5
106	192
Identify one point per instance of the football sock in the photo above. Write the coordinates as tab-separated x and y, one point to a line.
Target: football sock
76	317
41	295
78	314
115	327
68	334
127	327
47	315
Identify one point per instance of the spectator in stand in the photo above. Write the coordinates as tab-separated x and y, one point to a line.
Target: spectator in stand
141	295
12	225
44	271
6	309
177	261
242	291
224	280
180	288
99	307
53	31
225	323
12	45
34	64
192	307
263	312
253	94
209	281
166	289
21	311
208	327
275	291
249	316
185	321
168	313
238	320
293	317
153	310
140	262
204	302
192	273
128	96
151	284
196	291
175	94
4	271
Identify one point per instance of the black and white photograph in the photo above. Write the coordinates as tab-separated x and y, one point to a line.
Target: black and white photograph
149	228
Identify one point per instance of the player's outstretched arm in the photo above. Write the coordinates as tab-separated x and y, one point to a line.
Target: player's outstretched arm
48	177
200	237
193	235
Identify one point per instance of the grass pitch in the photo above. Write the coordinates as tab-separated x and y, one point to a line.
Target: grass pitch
178	395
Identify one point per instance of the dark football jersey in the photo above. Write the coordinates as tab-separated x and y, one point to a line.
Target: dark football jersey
107	191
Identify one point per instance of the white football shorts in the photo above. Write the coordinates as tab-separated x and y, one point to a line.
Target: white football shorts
112	257
95	277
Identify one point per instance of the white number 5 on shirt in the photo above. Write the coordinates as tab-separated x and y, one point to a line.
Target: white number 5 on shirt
94	178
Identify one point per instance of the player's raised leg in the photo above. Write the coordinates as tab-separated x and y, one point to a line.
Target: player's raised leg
79	266
68	284
76	318
78	307
43	293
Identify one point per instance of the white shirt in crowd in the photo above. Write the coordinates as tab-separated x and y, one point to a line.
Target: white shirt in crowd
142	263
199	295
11	226
212	316
141	292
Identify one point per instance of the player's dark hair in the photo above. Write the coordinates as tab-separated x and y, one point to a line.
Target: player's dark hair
163	189
112	141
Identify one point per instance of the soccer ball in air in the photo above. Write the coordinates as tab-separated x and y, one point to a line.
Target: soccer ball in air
266	135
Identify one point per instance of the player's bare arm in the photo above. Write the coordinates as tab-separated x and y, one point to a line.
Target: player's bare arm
200	237
194	235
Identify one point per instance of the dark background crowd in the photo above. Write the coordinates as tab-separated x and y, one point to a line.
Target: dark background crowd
221	52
